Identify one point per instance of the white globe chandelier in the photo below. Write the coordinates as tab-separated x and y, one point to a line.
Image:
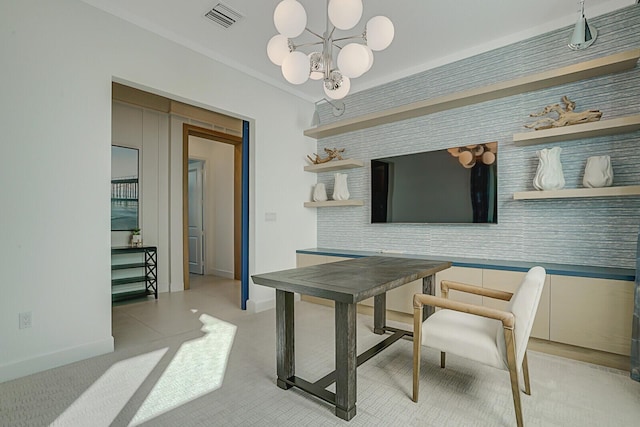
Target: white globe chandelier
353	60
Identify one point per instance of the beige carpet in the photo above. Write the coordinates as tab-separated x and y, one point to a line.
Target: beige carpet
186	379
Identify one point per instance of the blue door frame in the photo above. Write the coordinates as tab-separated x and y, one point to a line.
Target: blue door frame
244	277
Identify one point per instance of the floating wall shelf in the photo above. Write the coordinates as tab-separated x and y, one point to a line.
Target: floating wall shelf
586	130
335	165
630	190
333	203
584	70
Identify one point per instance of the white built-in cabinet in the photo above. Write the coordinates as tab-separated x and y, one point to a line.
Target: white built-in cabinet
581	311
592	313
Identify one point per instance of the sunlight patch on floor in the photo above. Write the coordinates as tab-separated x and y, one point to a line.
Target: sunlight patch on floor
197	368
104	399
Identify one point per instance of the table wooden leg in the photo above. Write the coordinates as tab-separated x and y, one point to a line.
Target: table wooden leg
379	313
346	360
285	338
428	287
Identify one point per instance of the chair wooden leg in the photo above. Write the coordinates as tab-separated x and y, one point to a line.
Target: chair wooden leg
513	373
443	357
417	344
525	372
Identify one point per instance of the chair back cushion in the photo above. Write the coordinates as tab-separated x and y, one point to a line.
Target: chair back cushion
465	335
523	305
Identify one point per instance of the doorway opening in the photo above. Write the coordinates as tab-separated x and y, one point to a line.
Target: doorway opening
161	154
240	152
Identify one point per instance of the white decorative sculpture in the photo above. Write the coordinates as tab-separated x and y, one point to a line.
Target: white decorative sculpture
549	175
598	172
340	190
319	193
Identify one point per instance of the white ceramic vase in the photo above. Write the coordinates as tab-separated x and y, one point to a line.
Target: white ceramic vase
598	172
549	175
340	190
319	193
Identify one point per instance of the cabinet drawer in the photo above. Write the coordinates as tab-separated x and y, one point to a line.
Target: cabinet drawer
592	313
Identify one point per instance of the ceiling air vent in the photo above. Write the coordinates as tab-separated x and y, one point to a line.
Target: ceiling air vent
223	15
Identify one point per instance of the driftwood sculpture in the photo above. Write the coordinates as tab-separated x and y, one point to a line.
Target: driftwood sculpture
566	116
331	154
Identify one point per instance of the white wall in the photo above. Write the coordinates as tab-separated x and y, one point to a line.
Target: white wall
59	59
218	203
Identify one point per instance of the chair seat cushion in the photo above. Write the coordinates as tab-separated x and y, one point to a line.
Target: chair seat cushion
463	334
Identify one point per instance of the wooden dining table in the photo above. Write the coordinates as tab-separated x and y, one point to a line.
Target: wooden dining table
346	283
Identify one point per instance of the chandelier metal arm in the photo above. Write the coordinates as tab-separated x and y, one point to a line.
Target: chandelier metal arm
314	33
296	46
357	36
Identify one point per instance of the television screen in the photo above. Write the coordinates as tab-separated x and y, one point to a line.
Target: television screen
456	185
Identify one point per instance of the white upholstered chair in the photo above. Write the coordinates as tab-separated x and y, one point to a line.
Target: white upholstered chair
493	337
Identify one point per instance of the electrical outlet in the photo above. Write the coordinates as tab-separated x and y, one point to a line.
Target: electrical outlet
24	320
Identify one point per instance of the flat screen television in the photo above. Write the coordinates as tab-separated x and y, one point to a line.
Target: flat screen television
453	186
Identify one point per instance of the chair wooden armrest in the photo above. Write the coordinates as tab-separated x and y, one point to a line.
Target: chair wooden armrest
446	285
505	317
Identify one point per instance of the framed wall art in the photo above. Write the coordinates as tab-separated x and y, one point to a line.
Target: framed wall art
125	189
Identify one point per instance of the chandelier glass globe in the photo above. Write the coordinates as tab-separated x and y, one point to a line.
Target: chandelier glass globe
290	18
295	68
278	48
345	14
380	32
353	60
337	87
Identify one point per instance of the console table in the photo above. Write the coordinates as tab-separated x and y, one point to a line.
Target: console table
346	283
139	272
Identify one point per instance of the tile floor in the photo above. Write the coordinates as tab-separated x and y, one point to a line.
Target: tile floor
137	322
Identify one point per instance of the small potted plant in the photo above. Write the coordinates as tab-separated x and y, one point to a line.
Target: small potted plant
136	238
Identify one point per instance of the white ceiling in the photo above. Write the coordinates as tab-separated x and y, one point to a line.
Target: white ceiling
428	33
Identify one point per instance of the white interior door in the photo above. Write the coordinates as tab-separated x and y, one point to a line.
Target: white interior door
196	217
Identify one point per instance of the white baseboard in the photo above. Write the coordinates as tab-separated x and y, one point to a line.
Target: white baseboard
221	273
176	287
44	362
254	306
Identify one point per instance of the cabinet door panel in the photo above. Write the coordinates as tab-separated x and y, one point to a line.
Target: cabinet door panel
469	276
401	299
306	260
336	258
592	313
508	281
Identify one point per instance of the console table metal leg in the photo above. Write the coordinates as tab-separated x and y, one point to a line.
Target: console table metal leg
379	313
346	360
285	356
151	268
428	287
